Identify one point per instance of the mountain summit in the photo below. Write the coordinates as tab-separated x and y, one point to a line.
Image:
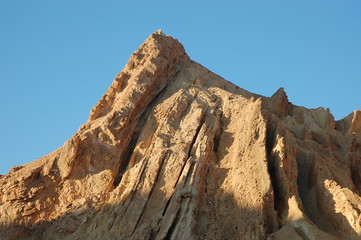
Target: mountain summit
174	151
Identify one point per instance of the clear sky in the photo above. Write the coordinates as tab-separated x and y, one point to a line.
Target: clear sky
57	58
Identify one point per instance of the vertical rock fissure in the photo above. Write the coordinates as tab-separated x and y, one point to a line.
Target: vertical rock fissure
172	227
270	136
305	167
195	138
217	136
190	149
128	154
167	205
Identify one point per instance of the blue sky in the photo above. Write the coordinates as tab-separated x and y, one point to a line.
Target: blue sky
57	58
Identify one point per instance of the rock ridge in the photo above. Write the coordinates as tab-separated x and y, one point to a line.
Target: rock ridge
174	151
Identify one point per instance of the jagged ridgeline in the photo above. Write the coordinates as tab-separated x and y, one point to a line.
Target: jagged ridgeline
174	151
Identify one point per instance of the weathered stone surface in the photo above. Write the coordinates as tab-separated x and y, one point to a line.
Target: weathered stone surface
173	151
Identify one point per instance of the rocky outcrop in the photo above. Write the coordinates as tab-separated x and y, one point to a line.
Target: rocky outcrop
174	151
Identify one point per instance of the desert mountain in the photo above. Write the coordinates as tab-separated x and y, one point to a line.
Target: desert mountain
174	151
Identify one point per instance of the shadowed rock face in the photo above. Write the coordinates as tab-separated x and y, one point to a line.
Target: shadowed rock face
174	151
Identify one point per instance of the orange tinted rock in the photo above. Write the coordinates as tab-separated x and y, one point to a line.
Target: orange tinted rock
173	151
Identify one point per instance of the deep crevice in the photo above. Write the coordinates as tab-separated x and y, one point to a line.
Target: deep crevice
195	138
153	234
217	137
271	168
305	172
167	205
130	149
190	150
172	227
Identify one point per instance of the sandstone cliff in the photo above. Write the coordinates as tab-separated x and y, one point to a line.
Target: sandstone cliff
174	151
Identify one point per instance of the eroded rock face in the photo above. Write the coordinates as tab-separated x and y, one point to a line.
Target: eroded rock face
173	151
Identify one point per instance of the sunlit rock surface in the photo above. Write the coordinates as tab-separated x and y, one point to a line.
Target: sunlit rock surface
174	151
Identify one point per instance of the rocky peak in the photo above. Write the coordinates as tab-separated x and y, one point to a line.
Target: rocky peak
356	121
174	151
279	102
157	59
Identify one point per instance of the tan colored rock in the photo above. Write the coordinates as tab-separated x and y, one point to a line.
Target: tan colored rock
173	151
286	232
